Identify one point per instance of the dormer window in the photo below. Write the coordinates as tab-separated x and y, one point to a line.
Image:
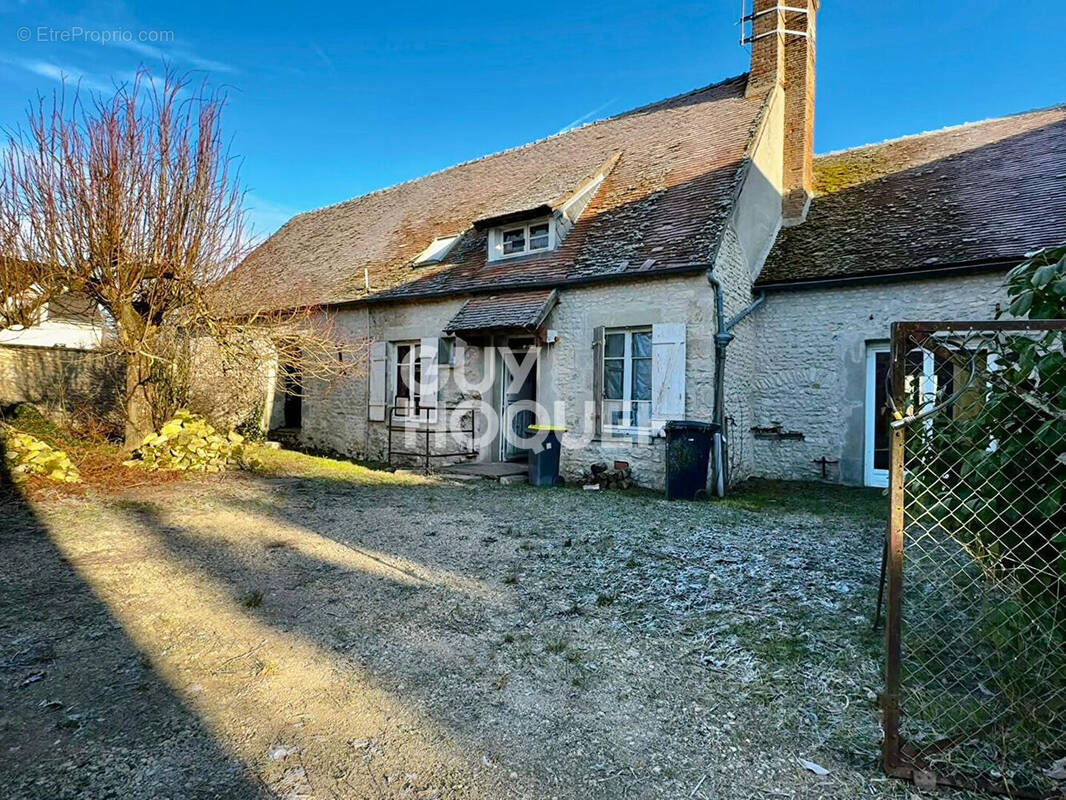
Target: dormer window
518	239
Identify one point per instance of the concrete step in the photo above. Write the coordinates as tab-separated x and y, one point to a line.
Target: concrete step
504	472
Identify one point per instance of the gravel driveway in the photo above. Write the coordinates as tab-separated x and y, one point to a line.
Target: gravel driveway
327	636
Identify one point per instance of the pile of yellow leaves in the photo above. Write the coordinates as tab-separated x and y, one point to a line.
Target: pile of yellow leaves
189	443
27	455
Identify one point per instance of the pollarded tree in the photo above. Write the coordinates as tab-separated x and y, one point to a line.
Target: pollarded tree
133	200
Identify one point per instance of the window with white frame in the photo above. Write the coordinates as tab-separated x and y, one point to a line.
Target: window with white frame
521	238
407	386
627	379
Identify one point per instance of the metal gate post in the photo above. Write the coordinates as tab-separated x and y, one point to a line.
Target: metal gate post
891	748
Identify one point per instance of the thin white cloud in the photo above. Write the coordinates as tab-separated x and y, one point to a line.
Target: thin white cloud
200	62
585	117
61	73
323	55
140	48
180	55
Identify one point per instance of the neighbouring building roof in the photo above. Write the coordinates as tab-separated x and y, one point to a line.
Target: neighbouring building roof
523	311
663	203
975	194
74	307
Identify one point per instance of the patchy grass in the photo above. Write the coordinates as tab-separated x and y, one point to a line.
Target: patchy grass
99	460
282	463
331	630
773	647
555	646
821	499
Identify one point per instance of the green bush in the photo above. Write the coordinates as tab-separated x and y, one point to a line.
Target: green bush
252	429
27	418
27	455
996	482
188	443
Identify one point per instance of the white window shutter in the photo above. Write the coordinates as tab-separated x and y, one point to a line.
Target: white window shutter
378	375
668	371
428	350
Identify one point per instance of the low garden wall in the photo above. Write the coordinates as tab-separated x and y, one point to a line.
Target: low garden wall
60	377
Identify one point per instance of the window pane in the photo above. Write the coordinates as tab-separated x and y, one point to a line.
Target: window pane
612	412
613	379
538	237
514	241
642	415
615	345
882	450
641	378
446	350
403	360
642	344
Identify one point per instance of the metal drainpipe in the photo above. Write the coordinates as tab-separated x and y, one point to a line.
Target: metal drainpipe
722	337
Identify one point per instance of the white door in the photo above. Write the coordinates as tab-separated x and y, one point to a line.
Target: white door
922	385
878	358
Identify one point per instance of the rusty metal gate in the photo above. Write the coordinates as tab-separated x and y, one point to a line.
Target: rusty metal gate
975	692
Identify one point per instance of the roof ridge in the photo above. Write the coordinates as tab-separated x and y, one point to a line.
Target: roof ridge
638	110
945	129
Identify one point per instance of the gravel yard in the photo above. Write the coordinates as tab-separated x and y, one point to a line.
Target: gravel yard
338	633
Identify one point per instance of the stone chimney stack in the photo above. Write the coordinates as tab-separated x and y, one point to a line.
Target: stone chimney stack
782	53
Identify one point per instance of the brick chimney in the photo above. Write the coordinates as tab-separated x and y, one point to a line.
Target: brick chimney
782	53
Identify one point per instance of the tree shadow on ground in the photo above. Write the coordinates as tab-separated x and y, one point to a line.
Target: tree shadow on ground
84	713
412	591
438	632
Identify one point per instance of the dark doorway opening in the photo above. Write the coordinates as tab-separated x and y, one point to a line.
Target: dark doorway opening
293	386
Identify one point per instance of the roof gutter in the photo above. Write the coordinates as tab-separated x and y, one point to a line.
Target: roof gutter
658	272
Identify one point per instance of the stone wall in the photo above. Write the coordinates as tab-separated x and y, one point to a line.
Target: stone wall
570	363
811	376
60	377
233	389
335	417
748	236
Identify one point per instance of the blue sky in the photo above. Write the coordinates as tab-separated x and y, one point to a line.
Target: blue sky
330	100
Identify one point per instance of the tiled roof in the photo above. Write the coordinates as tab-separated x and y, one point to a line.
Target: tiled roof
74	307
978	193
513	310
537	197
665	201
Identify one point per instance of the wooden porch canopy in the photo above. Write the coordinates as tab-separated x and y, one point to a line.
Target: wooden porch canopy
513	312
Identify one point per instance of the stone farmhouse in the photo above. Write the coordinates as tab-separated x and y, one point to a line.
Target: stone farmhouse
690	259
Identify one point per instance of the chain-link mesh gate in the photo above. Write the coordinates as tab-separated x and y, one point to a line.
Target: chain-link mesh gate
976	631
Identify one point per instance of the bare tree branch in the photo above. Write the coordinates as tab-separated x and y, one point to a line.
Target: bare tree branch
134	200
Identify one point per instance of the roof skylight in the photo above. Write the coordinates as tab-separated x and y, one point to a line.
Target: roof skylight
437	250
